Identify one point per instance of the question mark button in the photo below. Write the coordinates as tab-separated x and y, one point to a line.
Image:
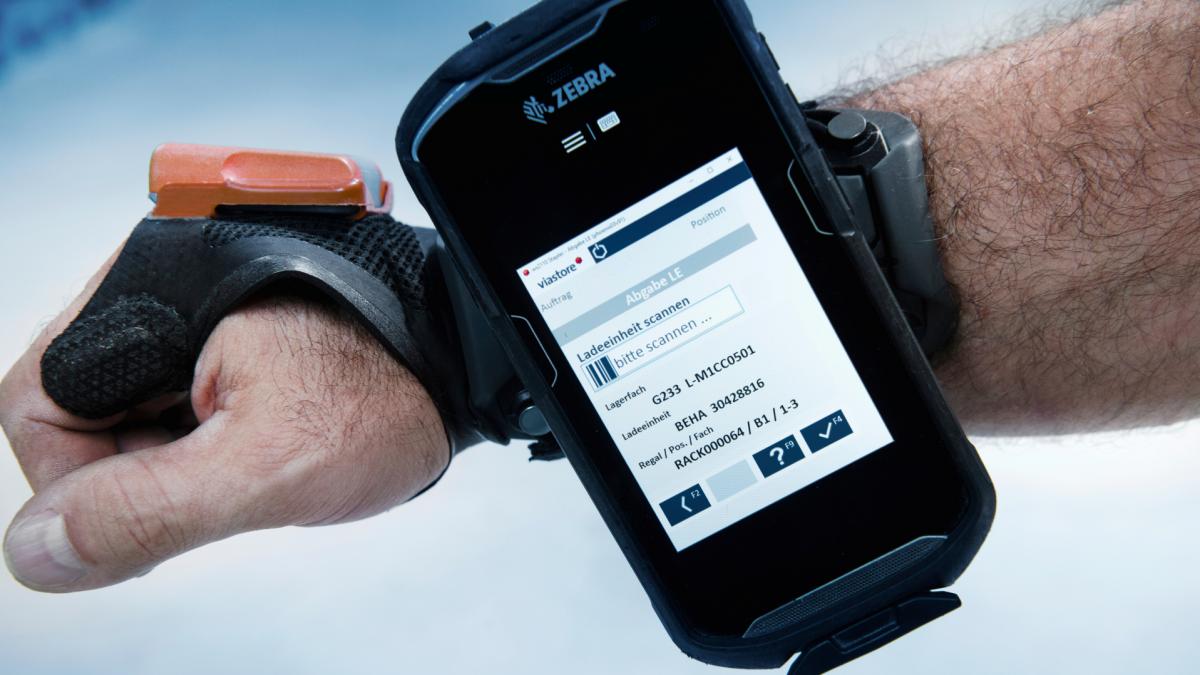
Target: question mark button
778	456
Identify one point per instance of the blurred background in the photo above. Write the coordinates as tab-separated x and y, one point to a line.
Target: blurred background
505	567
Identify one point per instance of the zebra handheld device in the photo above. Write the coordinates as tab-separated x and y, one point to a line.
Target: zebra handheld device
680	270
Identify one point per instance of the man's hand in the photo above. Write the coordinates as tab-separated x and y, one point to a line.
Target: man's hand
296	417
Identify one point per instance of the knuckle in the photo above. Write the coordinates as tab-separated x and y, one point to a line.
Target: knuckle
10	397
6	395
278	342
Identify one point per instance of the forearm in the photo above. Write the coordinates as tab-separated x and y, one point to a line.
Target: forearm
1064	177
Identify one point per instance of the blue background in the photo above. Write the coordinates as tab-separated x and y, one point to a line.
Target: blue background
505	567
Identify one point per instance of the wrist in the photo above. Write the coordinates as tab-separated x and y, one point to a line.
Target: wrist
1059	171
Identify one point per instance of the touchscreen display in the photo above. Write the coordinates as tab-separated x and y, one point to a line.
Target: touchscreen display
705	352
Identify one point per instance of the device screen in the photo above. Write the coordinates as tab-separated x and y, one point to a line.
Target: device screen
630	199
704	349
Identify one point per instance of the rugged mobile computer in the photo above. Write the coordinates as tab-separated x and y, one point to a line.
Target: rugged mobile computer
640	208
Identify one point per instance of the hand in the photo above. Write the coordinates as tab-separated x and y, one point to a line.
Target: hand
296	416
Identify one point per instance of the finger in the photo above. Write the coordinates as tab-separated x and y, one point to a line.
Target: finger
117	517
48	441
121	516
297	441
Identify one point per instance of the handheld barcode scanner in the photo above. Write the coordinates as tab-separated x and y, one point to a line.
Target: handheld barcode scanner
717	298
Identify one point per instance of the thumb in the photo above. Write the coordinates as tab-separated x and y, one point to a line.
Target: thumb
118	517
304	420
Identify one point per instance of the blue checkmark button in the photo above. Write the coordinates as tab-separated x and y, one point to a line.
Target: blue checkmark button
826	431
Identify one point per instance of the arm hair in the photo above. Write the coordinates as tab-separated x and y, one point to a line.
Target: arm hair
1064	178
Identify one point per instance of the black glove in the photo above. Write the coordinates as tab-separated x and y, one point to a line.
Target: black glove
141	333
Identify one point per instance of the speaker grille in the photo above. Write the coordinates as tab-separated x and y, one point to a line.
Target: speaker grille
562	73
556	43
852	583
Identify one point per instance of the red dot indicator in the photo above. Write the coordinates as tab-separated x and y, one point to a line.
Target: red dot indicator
525	272
578	260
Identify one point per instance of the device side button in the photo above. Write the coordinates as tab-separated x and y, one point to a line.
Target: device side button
791	176
531	421
769	50
479	31
536	348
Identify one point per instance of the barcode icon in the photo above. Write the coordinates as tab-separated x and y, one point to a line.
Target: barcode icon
602	371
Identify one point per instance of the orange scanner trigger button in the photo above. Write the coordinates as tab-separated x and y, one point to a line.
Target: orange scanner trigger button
193	181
